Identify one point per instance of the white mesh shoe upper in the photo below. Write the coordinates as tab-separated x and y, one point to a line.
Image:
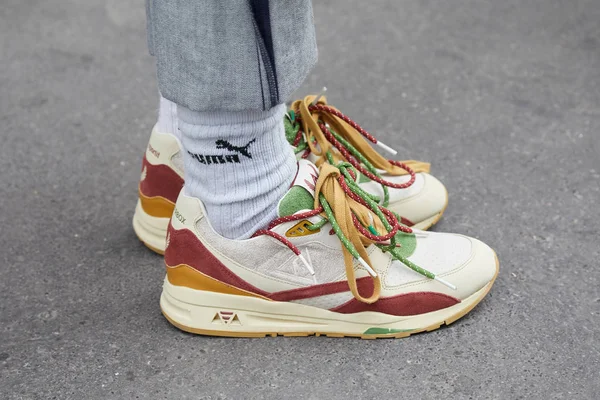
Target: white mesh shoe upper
437	252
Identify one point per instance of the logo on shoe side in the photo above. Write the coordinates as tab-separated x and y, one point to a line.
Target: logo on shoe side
314	178
227	318
178	215
296	271
224	158
152	150
307	176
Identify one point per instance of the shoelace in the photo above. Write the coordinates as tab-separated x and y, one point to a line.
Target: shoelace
357	220
320	128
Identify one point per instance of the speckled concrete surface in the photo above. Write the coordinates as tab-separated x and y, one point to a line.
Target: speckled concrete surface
502	96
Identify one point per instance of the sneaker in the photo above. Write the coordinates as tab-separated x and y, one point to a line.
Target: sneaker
160	184
404	187
334	263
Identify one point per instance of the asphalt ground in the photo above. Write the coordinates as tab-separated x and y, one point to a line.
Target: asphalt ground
503	97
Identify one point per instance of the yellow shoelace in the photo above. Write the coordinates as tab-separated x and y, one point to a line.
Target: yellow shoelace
357	220
313	117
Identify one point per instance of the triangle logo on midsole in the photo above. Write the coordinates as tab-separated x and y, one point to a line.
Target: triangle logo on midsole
227	318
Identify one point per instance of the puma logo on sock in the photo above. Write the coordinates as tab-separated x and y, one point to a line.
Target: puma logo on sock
224	158
224	144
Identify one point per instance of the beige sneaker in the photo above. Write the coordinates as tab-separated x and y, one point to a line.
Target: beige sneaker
337	266
315	128
160	184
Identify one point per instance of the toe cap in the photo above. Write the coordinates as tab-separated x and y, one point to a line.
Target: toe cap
477	272
429	201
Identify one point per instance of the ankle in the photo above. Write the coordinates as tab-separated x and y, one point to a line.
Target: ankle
167	118
239	164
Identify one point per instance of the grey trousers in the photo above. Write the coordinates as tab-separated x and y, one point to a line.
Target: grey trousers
231	55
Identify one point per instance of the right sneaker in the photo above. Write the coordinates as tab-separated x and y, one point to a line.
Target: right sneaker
329	265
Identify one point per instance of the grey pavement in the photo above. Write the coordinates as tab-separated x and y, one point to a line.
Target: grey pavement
502	96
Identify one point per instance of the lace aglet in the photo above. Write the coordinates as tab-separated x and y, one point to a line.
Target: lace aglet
386	148
321	93
370	270
445	282
419	233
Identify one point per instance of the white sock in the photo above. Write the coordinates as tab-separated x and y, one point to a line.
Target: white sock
167	118
239	164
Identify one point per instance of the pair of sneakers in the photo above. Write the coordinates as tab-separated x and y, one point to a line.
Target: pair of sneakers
348	254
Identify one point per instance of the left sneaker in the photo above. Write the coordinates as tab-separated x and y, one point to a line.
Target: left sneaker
316	128
160	184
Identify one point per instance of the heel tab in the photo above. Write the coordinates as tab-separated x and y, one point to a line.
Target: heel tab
188	211
162	149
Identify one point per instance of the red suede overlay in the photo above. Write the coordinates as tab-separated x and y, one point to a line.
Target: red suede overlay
406	221
365	288
401	305
185	248
161	180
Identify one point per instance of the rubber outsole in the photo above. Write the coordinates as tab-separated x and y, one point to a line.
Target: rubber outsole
396	335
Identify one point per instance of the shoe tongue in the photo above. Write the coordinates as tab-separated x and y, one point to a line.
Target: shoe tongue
301	195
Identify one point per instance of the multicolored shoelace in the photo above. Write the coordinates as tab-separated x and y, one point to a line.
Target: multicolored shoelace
357	220
315	127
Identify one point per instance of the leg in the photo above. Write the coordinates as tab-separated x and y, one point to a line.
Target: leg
216	75
231	55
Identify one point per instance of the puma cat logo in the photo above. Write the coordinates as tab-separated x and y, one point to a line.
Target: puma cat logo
224	158
224	144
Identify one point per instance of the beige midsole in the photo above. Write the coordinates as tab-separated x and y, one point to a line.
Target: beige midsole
199	310
150	230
